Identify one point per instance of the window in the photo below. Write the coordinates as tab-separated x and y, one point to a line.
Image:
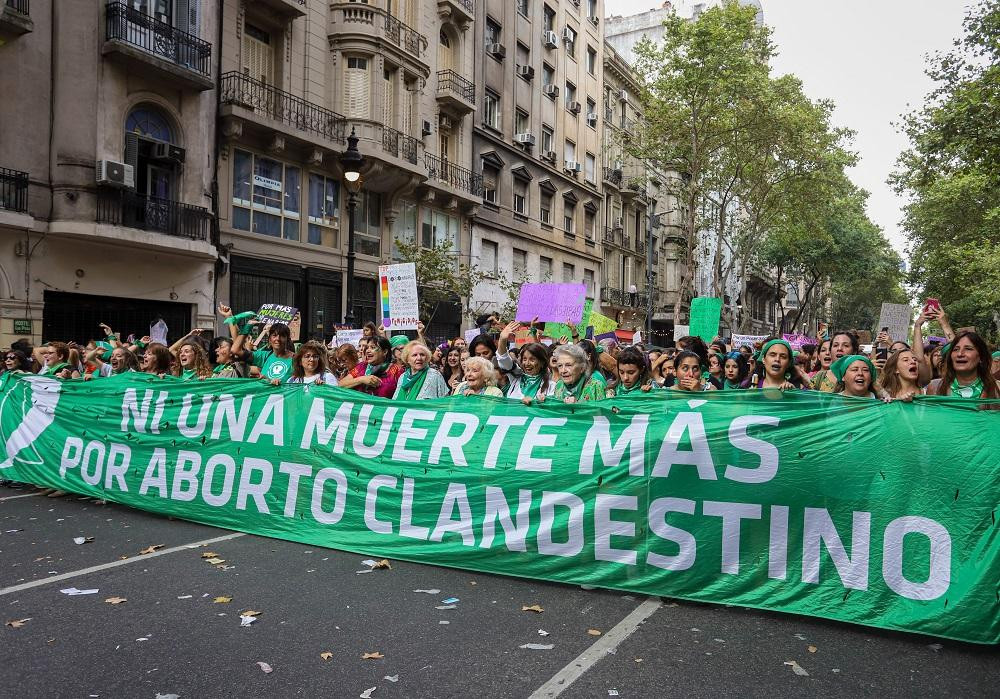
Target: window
548	74
266	196
548	19
440	228
590	168
488	258
547	138
591	109
588	282
368	224
570	151
520	263
592	60
258	55
592	8
492	32
491	110
324	210
404	228
545	209
589	225
545	268
490	177
357	102
570	38
569	272
522	7
523	54
570	93
521	122
520	197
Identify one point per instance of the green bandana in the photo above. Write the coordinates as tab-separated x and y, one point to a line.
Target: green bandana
410	383
772	343
728	385
839	367
530	385
973	390
623	390
376	369
996	355
398	341
242	320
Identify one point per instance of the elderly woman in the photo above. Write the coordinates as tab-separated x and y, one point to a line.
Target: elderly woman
856	376
420	381
480	379
575	382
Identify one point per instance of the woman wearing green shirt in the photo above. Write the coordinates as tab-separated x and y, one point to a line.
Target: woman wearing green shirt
420	381
275	361
575	383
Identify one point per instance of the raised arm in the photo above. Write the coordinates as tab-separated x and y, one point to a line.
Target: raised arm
924	372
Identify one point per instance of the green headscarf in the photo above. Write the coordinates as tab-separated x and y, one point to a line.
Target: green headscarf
996	355
397	341
839	367
772	343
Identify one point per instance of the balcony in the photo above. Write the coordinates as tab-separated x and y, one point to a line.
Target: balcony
13	191
290	9
276	110
147	45
613	176
456	177
461	12
120	207
399	145
622	298
455	92
15	18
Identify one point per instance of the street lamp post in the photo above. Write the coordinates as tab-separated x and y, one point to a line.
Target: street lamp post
654	221
351	161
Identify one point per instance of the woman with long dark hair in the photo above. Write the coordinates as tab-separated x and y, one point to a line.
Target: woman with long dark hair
453	371
900	378
735	371
965	370
633	374
378	374
842	343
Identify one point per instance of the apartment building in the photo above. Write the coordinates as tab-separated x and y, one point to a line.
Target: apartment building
106	150
537	141
300	76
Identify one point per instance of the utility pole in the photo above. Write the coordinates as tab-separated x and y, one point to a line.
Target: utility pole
653	221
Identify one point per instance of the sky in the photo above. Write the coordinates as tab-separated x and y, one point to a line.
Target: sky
868	57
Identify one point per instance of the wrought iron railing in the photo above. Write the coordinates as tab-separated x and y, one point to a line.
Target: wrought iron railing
613	175
399	144
122	207
138	29
13	190
453	175
467	4
18	6
609	235
242	90
450	81
622	298
405	36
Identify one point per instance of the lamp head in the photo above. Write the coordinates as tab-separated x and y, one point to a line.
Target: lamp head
352	160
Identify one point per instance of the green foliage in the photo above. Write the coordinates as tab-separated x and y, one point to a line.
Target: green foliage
951	173
441	275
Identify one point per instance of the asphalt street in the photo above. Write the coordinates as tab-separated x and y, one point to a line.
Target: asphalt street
179	630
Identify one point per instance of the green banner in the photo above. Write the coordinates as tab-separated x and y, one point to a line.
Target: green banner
800	502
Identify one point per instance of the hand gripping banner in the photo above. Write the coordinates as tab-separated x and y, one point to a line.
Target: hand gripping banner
802	502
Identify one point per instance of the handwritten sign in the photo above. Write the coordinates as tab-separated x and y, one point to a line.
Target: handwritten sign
896	317
796	340
747	340
557	331
602	324
551	302
398	296
271	313
158	332
347	337
681	331
471	334
705	314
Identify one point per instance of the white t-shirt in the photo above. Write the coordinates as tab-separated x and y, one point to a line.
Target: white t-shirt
327	378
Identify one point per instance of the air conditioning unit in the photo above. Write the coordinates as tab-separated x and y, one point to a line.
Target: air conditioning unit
496	50
526	72
619	223
444	122
551	90
169	152
592	119
568	34
573	166
595	20
114	174
549	155
525	139
426	129
550	40
623	95
574	107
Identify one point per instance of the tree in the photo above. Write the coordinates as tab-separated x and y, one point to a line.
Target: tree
441	276
951	172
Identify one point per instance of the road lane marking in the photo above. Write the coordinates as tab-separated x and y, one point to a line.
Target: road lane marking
15	497
595	653
115	564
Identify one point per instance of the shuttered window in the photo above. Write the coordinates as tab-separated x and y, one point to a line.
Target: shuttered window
258	56
388	98
357	102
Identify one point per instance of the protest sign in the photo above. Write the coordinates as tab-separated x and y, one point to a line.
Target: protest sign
602	324
680	331
896	317
158	332
398	296
705	314
747	340
558	303
471	334
800	502
557	331
796	340
348	337
588	308
271	313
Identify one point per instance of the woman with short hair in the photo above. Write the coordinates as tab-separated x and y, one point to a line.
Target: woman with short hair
575	382
156	359
378	374
480	379
275	361
420	380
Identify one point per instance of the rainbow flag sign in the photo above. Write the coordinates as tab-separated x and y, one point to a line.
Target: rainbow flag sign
397	290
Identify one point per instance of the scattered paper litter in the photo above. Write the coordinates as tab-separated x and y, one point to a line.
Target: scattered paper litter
367	694
167	696
533	608
391	678
593	632
813	649
443	622
82	540
450	600
222	600
446	606
372	656
215	561
247	620
538	646
362	572
17	623
800	636
796	668
150	549
613	693
265	667
542	632
75	591
184	596
209	554
430	592
382	565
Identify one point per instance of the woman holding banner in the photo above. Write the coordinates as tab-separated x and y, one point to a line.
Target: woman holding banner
309	365
856	376
778	365
420	381
275	362
965	371
480	379
378	374
528	378
900	379
575	384
842	343
193	361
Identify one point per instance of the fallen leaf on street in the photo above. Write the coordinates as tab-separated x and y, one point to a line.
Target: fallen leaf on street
215	561
17	623
150	549
813	649
537	646
384	563
122	558
265	667
367	694
796	668
250	612
116	600
372	656
210	554
593	632
222	600
533	608
326	655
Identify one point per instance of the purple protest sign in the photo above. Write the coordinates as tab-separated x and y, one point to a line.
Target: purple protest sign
556	303
796	340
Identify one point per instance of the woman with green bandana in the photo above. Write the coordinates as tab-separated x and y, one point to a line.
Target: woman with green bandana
633	374
842	343
528	376
57	364
965	370
856	376
480	379
778	365
735	372
420	381
575	384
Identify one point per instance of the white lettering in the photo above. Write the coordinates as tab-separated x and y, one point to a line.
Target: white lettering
767	452
294	472
236	424
455	497
375	450
318	429
374	524
72	451
407	431
605	528
271	422
322	476
503	423
454	444
406	526
186	479
199	426
818	528
497	509
731	514
939	569
687	548
115	469
228	477
632	438
534	439
574	524
699	455
777	548
248	488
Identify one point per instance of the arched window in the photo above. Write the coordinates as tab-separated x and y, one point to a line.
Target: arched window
443	38
149	122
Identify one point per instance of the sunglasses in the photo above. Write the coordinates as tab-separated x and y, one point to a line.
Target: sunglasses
11	358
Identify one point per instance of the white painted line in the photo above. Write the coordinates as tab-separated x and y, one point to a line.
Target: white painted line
15	497
595	653
115	564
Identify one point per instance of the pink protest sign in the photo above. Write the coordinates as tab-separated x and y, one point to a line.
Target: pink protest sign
796	340
558	303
